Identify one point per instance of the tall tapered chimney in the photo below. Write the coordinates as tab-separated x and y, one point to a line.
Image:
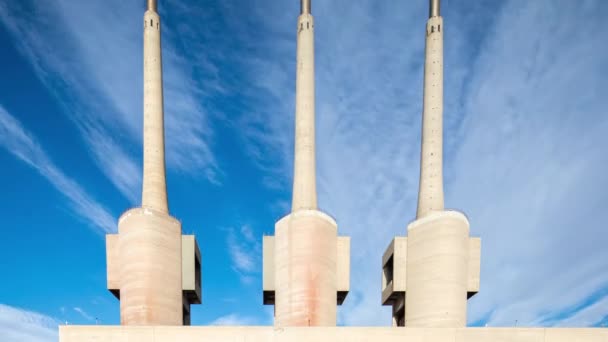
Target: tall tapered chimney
442	260
306	264
145	260
430	195
429	275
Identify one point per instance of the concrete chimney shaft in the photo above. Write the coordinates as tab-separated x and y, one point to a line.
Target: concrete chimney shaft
430	195
149	242
438	243
304	179
154	193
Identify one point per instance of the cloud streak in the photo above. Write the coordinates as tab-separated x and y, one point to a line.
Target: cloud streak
17	325
233	320
17	141
528	169
590	315
245	250
84	314
96	75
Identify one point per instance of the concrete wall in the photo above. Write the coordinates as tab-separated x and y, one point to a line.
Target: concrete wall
305	263
437	271
320	334
342	269
150	272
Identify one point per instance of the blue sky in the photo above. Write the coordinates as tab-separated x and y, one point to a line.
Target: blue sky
525	137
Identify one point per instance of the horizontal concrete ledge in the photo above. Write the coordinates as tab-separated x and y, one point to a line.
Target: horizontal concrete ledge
439	215
308	213
145	211
384	334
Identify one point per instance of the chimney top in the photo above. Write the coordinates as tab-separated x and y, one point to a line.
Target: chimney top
435	8
152	5
305	6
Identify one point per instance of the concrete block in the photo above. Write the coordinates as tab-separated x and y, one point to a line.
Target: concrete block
343	268
268	269
394	270
113	264
474	266
191	269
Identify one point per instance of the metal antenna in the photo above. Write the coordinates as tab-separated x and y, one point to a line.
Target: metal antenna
435	8
305	6
152	5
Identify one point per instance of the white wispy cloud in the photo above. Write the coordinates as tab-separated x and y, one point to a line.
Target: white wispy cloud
233	320
19	142
587	316
525	129
245	250
18	325
531	161
84	314
89	55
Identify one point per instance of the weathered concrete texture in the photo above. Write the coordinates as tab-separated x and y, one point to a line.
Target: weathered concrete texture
437	271
322	334
191	271
430	195
305	268
394	273
150	254
191	267
154	194
342	269
304	179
